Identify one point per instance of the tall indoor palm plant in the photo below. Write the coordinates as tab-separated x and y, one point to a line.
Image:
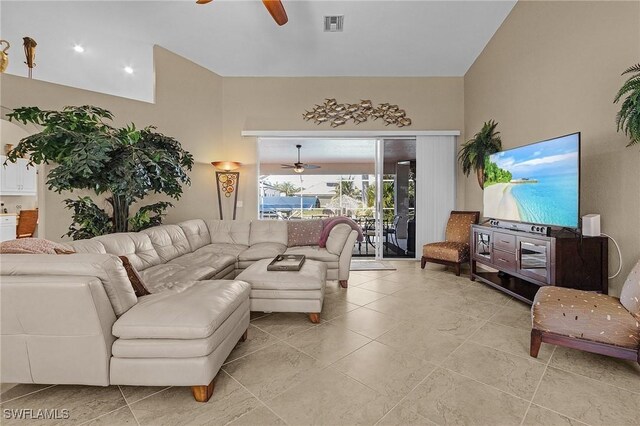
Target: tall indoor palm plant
473	153
123	164
628	118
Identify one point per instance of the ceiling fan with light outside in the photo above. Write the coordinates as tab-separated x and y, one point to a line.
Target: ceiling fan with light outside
275	8
299	167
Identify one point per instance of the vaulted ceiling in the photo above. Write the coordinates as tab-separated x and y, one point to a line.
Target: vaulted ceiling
239	38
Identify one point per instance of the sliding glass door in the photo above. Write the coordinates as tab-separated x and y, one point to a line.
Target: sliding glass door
397	197
369	181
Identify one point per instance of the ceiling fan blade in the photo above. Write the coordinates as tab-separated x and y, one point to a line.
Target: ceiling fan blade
287	166
311	166
203	1
276	9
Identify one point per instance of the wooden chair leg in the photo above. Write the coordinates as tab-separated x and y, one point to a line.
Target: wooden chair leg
536	341
457	269
244	336
344	283
314	317
202	393
423	262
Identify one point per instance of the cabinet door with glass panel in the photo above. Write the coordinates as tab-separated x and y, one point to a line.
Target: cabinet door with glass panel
482	245
534	259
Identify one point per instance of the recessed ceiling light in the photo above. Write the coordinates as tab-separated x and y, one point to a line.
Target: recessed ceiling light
128	70
78	48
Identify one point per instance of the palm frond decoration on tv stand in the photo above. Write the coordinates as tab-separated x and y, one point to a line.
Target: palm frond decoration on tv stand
339	114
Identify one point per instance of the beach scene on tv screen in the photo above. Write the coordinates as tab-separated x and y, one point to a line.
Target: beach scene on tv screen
536	183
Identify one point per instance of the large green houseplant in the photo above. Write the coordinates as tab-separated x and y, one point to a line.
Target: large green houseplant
475	151
122	164
628	118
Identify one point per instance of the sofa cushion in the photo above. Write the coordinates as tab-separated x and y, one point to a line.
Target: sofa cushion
303	232
630	294
314	253
450	251
86	246
169	241
136	246
194	313
156	276
262	251
196	232
190	267
585	315
205	258
108	268
268	231
229	249
338	237
181	348
229	231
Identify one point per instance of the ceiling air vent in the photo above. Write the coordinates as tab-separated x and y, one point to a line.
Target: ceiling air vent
333	24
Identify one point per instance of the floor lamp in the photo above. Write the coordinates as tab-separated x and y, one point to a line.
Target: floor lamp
227	182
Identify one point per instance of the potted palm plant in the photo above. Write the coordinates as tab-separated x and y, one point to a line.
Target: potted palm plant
124	165
628	118
474	152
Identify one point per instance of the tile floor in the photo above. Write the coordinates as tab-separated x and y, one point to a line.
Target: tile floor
398	347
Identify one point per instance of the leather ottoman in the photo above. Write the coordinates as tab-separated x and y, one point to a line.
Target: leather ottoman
180	336
287	291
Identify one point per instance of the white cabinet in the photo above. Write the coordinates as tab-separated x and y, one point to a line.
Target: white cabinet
29	178
17	178
7	227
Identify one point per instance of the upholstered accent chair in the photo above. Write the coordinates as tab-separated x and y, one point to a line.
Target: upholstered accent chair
455	250
589	321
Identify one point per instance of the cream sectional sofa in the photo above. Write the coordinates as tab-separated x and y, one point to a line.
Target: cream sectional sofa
216	249
74	319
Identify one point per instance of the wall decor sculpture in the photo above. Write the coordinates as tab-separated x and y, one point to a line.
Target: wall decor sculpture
338	114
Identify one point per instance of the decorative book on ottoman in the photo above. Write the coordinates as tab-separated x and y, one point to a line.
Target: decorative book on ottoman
286	262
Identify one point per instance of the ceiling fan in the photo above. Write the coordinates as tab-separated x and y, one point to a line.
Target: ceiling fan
275	8
299	167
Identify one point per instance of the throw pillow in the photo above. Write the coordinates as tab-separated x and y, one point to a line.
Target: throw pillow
135	279
33	246
303	232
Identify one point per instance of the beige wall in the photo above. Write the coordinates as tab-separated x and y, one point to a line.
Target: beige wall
551	69
278	104
187	107
207	114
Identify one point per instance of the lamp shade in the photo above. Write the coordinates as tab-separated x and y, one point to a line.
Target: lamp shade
226	165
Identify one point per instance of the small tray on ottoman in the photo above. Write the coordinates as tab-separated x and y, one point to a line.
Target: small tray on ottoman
286	262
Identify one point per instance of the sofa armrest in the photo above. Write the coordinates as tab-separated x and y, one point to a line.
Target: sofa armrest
55	329
345	256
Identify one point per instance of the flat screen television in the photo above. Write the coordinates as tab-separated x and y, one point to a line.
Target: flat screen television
537	183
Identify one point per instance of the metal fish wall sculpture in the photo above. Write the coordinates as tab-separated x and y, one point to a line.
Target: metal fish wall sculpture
338	114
